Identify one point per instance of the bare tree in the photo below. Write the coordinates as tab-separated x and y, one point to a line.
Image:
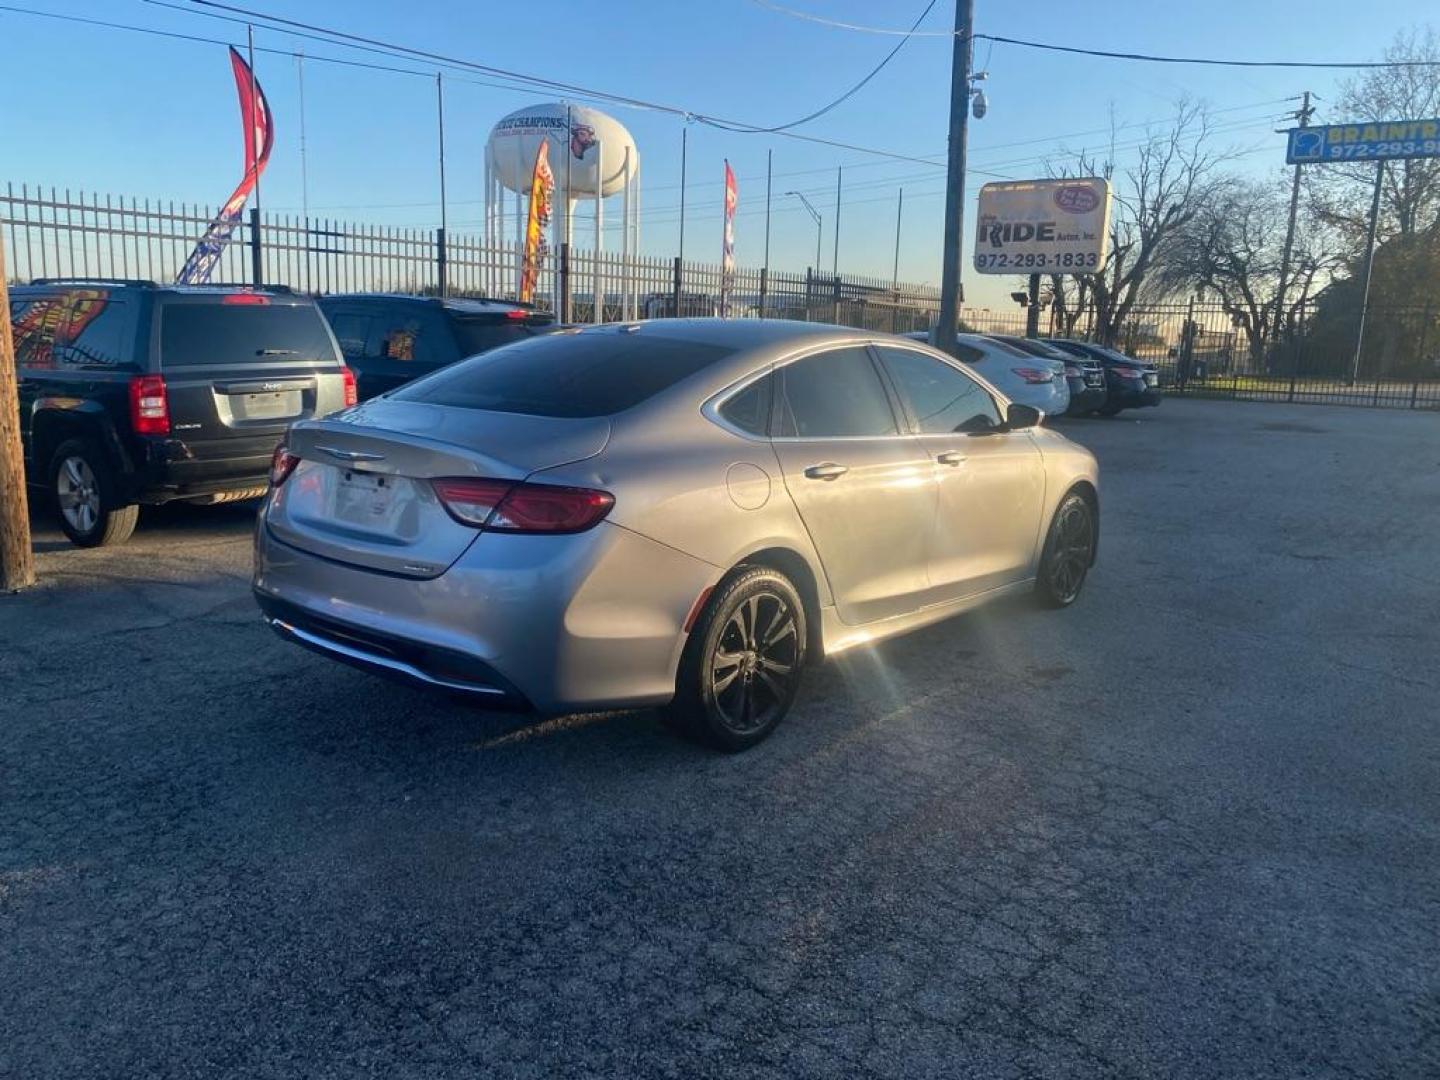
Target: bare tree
1231	248
1173	176
1410	197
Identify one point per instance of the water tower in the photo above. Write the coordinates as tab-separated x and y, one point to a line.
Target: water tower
592	157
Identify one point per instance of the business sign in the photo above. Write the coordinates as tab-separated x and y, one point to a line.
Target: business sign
1043	226
1383	140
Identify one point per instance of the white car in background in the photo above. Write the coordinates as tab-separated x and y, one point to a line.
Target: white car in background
1030	380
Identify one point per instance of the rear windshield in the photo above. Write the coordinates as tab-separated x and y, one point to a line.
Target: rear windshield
478	335
237	334
571	375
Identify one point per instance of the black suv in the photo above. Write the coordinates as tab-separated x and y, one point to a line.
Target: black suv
133	392
389	338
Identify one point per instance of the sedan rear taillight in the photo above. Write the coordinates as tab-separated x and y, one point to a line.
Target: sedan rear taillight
149	405
1034	375
282	464
1127	372
506	506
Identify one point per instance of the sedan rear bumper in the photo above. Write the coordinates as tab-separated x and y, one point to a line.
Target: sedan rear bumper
553	623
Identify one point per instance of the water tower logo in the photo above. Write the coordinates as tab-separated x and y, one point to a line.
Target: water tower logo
582	138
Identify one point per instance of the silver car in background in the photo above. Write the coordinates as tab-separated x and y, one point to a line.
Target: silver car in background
676	512
1023	378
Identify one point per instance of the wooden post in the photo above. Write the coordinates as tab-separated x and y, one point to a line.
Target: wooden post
17	561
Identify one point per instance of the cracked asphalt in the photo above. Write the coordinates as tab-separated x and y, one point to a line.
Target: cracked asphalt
1188	828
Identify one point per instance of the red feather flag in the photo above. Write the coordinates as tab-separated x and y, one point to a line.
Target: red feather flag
259	132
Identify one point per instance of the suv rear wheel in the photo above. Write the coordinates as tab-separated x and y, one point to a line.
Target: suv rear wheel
84	490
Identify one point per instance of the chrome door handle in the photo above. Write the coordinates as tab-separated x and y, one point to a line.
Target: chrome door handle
951	457
826	470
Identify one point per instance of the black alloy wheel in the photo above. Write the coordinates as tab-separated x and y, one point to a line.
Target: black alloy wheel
1069	551
743	664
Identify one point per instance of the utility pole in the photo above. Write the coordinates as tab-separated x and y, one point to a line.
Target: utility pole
895	272
765	267
1369	268
1302	115
17	561
440	119
950	298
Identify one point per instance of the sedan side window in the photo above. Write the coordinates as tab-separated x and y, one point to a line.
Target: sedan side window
833	395
941	398
749	410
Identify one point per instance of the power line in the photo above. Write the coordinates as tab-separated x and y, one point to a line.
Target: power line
1107	54
346	39
854	89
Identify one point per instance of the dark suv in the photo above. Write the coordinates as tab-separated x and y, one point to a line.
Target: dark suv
133	392
389	339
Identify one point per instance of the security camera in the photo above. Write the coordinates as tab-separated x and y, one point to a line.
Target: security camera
1021	298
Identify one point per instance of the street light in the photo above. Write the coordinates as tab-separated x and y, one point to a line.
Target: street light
818	224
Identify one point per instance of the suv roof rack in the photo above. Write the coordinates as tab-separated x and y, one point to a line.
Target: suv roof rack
230	285
88	280
146	283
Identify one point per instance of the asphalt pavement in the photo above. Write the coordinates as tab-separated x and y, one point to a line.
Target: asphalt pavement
1188	828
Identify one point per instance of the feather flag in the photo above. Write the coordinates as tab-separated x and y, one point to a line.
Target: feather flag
727	256
542	185
259	138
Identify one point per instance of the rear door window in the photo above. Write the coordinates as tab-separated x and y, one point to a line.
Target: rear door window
940	398
234	335
835	394
574	375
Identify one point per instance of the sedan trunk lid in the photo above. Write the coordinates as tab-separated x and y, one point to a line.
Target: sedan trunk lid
362	493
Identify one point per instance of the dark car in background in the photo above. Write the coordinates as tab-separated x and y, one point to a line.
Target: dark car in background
1130	383
389	339
133	392
1085	375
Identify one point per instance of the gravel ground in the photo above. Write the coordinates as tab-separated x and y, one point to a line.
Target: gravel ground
1190	827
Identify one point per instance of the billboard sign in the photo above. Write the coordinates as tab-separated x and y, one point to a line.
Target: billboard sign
1043	226
1383	140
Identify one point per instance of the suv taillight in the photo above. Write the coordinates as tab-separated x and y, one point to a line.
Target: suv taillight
149	407
351	394
506	506
282	464
1034	375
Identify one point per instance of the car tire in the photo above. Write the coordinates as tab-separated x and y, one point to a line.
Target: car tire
1069	551
742	665
1109	409
85	495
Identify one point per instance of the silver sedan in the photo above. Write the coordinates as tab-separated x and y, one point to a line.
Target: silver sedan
679	512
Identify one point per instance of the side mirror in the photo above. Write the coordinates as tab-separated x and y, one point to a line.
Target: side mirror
1022	416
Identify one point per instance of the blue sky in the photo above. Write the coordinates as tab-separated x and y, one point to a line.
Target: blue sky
138	115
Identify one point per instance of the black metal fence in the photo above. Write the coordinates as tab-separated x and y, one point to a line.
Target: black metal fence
1199	348
61	233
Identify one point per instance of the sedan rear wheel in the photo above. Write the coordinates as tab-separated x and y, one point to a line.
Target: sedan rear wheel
742	665
1069	551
